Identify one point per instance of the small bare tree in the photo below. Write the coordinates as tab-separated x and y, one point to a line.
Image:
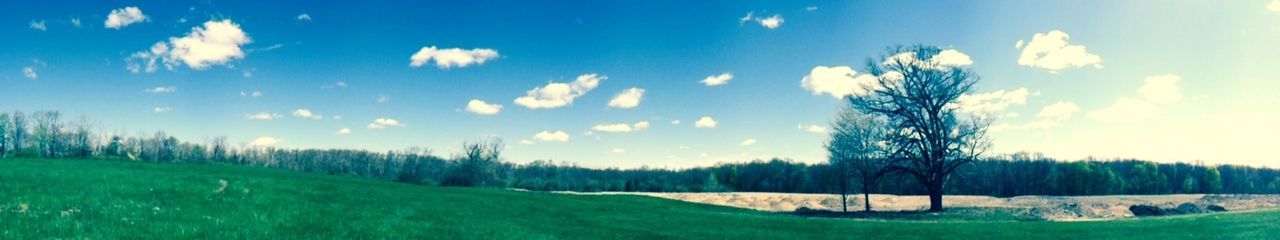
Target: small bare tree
858	150
477	165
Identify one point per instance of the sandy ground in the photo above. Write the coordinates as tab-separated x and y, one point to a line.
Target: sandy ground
1030	207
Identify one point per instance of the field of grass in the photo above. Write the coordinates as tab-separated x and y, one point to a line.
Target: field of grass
42	198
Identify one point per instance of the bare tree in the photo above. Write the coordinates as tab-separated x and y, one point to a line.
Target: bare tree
918	90
858	149
477	165
19	131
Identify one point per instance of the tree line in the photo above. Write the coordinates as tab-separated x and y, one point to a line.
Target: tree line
480	163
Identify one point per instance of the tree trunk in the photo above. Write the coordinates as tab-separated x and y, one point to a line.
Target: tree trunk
935	196
866	196
844	194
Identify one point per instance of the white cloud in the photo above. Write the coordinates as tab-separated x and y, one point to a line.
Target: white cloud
1059	111
993	102
1052	52
1161	89
527	142
265	141
382	123
304	17
214	43
811	8
838	81
705	122
748	142
30	72
1126	110
813	128
250	94
1274	6
262	116
629	98
620	127
943	59
745	19
306	113
555	95
162	109
675	122
772	22
383	99
75	22
161	89
1156	91
482	108
717	80
451	57
546	136
343	131
38	25
640	125
617	150
119	18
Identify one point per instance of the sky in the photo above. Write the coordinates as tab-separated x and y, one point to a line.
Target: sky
666	84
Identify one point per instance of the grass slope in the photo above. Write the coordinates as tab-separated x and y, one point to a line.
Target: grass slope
42	198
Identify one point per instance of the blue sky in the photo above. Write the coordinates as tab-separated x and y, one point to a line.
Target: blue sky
1165	81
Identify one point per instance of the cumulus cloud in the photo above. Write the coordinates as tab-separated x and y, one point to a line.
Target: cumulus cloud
30	73
304	17
213	43
717	80
265	141
306	113
75	22
555	95
771	22
617	150
1052	52
1274	6
383	99
943	59
382	123
626	99
675	122
122	17
705	122
343	131
621	127
262	116
482	108
1161	89
1060	110
451	57
813	128
38	25
838	81
992	102
161	109
161	89
748	142
1049	117
1126	110
547	136
1156	91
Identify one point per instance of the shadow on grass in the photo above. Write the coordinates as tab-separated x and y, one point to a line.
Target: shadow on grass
950	214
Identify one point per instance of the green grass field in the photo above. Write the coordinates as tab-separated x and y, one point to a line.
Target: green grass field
42	198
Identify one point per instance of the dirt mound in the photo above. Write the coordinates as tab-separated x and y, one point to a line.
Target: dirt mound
1055	208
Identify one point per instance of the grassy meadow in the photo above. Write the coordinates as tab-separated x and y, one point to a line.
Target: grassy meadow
54	198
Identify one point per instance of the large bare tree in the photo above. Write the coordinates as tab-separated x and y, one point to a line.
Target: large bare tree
917	90
858	150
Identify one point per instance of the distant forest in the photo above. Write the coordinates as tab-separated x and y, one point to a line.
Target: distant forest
45	135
